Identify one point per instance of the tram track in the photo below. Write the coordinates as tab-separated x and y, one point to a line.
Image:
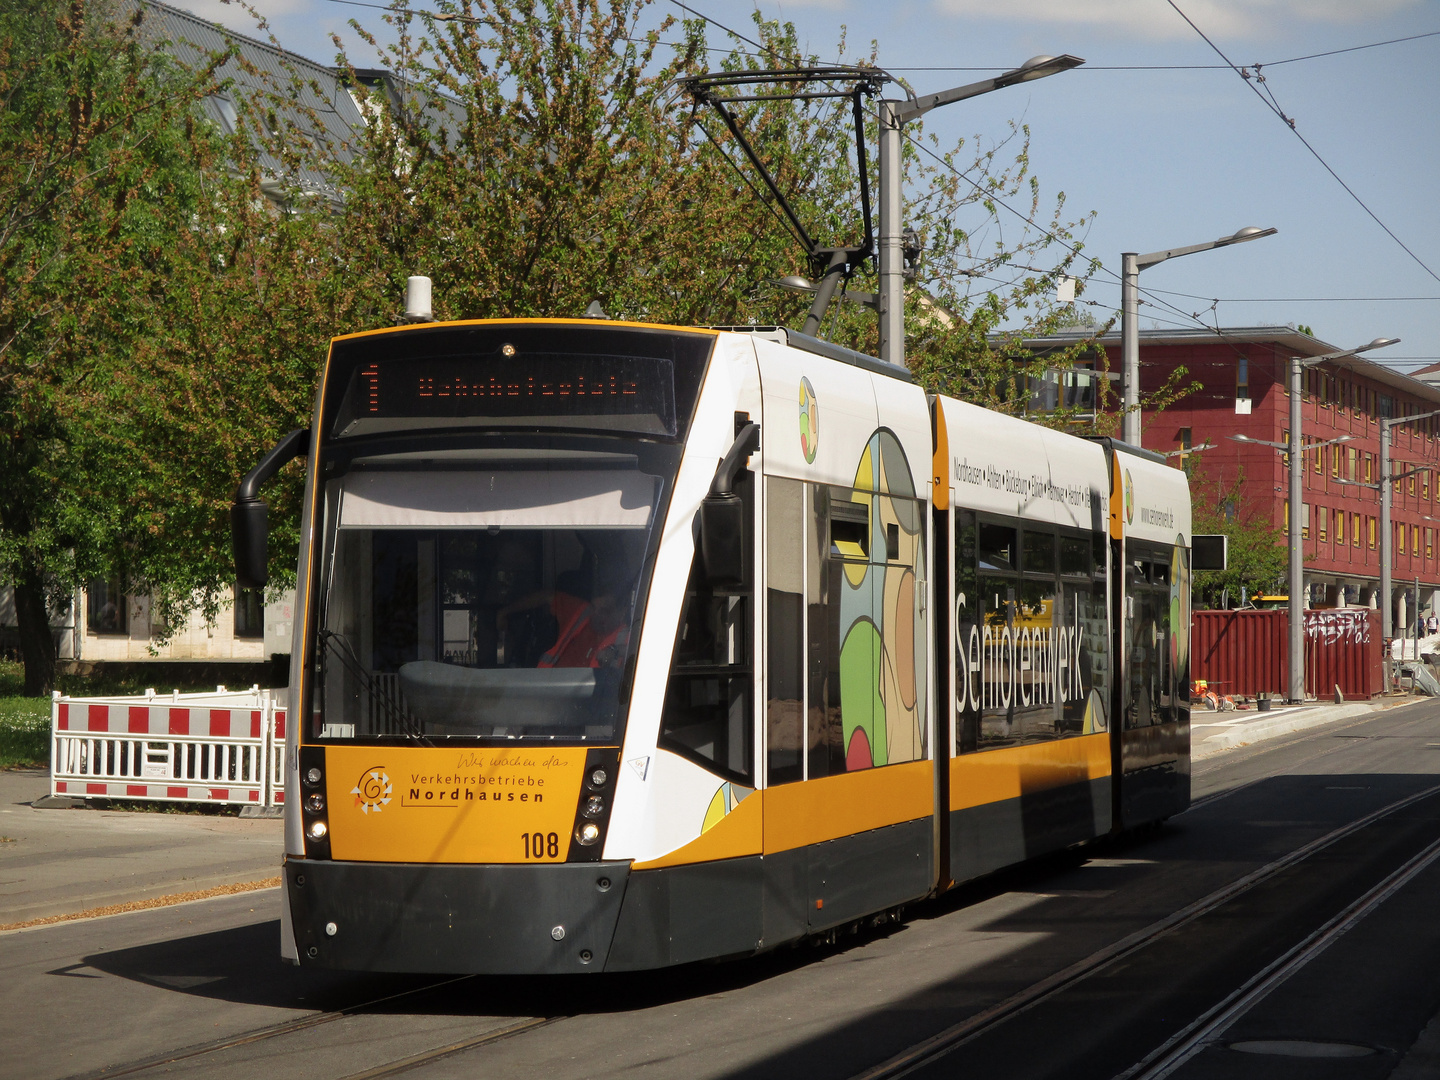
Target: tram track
287	1028
1203	1030
932	1049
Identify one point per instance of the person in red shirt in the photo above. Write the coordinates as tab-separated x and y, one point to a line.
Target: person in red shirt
592	633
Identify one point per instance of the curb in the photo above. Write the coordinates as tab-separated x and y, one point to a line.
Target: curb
1245	734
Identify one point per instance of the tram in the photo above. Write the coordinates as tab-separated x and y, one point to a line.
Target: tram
619	646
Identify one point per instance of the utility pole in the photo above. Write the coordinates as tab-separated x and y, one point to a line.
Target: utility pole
893	116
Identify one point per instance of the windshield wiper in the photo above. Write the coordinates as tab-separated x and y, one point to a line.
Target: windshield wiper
398	717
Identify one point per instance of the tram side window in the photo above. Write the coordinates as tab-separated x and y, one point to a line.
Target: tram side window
967	598
1086	711
824	730
707	711
1026	643
1151	696
998	547
784	607
867	676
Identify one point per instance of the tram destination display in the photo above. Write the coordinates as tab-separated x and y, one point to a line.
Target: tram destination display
630	393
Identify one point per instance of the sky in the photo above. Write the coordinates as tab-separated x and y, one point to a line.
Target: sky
1163	141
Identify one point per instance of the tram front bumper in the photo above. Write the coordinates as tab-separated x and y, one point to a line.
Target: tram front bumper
546	919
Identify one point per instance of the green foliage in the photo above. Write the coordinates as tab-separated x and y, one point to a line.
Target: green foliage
163	321
101	170
1258	559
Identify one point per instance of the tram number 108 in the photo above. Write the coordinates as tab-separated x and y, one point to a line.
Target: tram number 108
541	845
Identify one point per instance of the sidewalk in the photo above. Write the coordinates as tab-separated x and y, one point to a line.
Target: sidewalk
58	862
1214	732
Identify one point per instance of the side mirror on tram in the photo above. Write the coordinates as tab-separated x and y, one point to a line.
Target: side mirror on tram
722	515
250	537
249	516
722	539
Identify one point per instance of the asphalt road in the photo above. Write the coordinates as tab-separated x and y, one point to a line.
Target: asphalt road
198	989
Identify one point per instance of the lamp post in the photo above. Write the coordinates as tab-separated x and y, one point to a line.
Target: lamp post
1296	690
893	116
1387	487
1296	677
1131	265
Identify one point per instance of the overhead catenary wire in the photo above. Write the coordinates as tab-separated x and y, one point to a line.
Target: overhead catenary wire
1274	106
1156	295
1194	67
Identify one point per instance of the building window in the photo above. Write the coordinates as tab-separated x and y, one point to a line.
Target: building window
1370	531
1414	539
1324	523
1352	463
1339	526
1369	468
1319	459
1385	406
1355	530
249	613
1185	445
1286	527
1335	460
1242	378
105	608
1429	542
1411	485
1305	520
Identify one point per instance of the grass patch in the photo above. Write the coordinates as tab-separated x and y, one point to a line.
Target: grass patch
24	732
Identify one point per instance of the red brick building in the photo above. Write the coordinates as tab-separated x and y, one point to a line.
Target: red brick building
1243	377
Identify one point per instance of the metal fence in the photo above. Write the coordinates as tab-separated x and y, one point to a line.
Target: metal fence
1248	652
222	747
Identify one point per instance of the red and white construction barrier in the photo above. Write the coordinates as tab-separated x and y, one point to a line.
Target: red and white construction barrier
216	748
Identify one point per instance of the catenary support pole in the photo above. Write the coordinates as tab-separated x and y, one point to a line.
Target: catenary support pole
1130	347
892	259
1296	689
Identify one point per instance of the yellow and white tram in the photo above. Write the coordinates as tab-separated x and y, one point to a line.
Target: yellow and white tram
620	646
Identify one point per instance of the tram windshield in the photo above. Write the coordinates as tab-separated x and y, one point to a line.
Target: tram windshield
485	595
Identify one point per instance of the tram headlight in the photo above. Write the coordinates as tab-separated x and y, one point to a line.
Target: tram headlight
313	776
599	778
594	807
315	802
318	829
587	834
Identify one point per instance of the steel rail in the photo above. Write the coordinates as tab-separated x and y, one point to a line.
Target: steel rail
957	1035
1200	1033
425	1057
284	1027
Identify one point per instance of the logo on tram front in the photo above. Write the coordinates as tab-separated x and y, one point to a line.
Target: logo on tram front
372	791
1129	499
809	420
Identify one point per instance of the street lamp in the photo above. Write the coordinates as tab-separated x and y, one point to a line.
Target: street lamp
1131	265
893	116
1296	691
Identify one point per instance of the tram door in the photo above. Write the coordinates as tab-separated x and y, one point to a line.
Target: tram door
1152	719
846	698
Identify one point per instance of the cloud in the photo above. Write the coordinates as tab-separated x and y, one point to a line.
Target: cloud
1155	19
236	17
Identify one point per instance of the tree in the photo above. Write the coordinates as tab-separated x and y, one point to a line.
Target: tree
100	169
530	156
1258	559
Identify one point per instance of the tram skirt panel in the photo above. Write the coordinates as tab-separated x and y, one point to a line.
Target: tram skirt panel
993	835
464	919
